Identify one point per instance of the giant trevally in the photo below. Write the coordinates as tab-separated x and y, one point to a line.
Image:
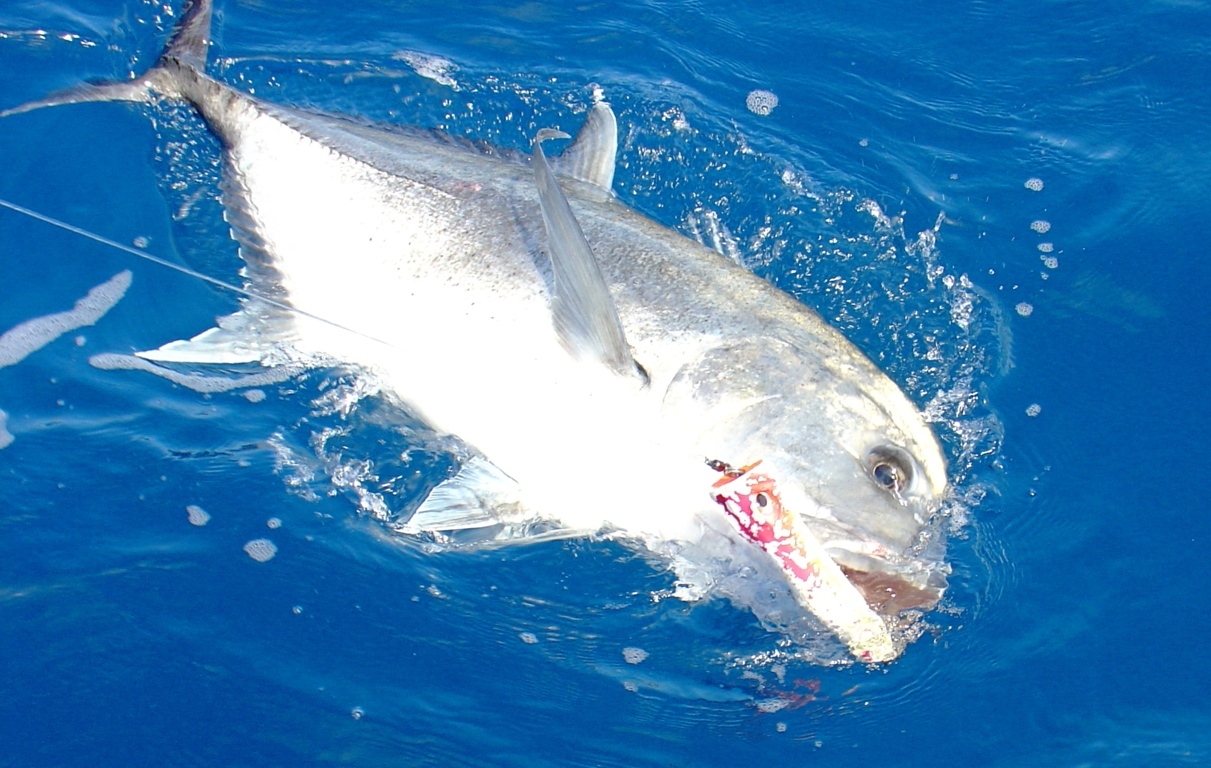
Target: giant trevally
608	375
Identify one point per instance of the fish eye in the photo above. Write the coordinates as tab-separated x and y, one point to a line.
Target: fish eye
890	468
762	500
887	475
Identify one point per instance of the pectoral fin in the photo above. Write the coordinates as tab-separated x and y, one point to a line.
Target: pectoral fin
584	313
479	496
247	336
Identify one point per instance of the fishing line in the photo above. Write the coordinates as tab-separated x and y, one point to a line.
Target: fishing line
178	268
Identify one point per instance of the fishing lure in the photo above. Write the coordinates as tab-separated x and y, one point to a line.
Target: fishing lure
753	503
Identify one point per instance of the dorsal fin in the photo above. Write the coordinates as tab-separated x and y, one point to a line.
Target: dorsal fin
591	156
585	317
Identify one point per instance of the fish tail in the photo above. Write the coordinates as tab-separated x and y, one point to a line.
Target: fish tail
183	59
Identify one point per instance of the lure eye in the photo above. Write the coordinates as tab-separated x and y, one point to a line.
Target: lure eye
761	500
890	468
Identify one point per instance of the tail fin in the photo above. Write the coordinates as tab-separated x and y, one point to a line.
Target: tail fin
191	39
185	50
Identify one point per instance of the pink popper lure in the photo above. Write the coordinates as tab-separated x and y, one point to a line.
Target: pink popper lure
753	503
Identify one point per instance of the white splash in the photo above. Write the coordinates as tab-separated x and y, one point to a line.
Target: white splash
261	550
28	337
634	655
6	437
435	68
22	340
706	226
194	381
772	705
197	515
761	102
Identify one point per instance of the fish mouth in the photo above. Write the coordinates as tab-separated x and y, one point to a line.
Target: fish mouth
889	594
892	586
891	577
853	584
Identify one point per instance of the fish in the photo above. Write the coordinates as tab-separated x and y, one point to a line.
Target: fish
608	375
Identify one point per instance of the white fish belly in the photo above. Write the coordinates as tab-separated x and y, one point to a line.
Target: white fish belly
467	343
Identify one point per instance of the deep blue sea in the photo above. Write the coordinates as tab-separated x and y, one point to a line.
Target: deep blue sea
1000	203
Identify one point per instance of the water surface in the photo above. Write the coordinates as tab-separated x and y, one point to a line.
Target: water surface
1055	335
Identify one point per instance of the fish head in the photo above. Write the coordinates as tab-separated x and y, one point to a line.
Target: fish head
851	454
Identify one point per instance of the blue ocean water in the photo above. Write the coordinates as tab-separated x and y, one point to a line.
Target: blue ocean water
1056	337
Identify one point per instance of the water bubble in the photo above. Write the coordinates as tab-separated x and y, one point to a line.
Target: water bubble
197	515
141	242
1024	309
1034	409
357	713
255	395
780	727
261	550
273	522
634	655
529	638
761	102
1046	247
677	118
81	341
1050	262
1034	184
771	705
1040	226
297	609
630	686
